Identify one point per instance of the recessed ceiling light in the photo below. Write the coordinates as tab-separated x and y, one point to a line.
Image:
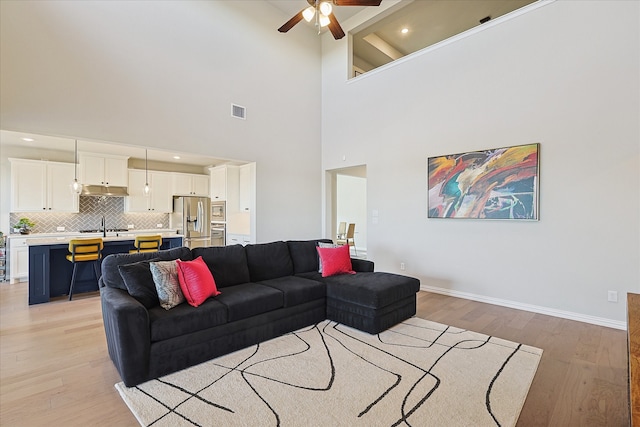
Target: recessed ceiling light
404	31
28	139
176	157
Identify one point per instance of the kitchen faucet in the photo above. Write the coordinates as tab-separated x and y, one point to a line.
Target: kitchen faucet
104	227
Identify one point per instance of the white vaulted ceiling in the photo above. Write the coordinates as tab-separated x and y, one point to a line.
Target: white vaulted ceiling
427	21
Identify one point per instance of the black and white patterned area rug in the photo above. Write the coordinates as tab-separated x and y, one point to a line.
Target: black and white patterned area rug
418	373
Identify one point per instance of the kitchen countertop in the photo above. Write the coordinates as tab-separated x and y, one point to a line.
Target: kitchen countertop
63	238
78	233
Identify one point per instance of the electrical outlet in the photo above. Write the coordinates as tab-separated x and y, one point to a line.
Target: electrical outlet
59	228
130	226
159	225
402	266
612	296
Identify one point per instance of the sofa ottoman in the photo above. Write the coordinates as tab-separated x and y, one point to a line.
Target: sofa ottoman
371	302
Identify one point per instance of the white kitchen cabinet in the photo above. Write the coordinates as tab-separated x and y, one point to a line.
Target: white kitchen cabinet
60	196
100	169
239	187
162	200
28	186
218	183
238	239
245	187
224	186
158	200
18	259
200	185
38	186
187	184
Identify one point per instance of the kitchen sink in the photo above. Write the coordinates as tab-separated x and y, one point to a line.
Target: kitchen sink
109	230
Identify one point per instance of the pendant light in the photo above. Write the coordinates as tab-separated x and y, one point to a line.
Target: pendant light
76	187
146	174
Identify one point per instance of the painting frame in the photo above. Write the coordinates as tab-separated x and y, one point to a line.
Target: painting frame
497	183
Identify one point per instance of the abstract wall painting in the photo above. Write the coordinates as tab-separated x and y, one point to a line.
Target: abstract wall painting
500	183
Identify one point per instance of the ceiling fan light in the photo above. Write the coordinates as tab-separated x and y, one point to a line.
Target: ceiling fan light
308	13
324	20
326	8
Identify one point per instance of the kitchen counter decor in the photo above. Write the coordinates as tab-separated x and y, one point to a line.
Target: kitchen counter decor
24	226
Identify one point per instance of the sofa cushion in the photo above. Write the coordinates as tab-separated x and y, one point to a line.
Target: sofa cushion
374	290
311	275
228	264
111	275
139	282
249	299
304	255
335	261
196	281
268	261
297	290
185	319
165	277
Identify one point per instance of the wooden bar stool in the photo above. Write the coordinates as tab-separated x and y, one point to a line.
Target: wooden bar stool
147	243
84	250
349	238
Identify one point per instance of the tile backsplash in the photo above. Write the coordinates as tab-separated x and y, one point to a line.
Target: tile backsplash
90	217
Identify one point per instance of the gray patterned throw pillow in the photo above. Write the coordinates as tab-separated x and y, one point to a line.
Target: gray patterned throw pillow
165	277
324	245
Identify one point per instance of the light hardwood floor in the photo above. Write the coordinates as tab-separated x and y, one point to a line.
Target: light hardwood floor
55	370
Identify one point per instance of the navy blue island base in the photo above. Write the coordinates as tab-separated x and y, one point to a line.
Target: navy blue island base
50	272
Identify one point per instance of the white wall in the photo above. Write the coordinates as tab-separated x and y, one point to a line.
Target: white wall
565	75
164	74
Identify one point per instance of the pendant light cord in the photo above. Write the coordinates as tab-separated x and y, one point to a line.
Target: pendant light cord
146	173
75	175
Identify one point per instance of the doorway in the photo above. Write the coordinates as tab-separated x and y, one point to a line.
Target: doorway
347	202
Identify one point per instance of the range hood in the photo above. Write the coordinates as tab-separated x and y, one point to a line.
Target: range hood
101	190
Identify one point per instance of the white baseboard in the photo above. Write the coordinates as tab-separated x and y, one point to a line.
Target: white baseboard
600	321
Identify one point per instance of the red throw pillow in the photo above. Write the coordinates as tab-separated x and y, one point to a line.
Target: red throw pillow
196	281
335	261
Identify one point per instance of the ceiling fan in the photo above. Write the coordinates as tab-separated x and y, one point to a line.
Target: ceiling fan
323	13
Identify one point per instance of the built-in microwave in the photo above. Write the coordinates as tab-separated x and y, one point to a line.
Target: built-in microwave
218	211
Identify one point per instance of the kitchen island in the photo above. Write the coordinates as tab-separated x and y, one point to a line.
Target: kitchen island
50	272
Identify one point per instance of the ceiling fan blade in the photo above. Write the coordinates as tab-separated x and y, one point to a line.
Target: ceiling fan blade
357	2
291	22
335	28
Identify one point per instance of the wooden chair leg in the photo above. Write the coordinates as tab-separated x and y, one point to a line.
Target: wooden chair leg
73	280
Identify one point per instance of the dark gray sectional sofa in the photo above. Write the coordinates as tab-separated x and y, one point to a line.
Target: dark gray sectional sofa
266	290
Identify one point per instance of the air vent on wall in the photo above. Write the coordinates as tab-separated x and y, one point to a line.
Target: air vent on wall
238	112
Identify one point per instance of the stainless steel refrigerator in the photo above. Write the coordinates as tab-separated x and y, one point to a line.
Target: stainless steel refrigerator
190	217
